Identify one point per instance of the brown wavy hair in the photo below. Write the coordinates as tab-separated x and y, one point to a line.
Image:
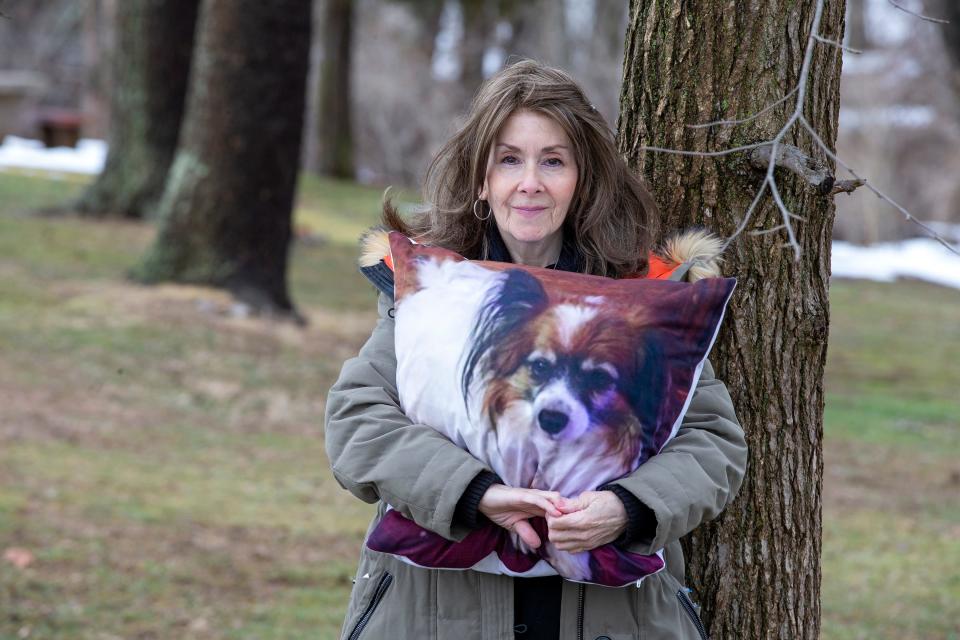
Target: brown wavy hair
612	218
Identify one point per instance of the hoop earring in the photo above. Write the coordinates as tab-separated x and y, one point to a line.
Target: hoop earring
477	215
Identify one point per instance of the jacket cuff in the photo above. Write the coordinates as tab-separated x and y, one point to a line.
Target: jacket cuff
467	512
641	520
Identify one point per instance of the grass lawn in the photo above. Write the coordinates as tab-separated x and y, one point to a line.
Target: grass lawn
162	459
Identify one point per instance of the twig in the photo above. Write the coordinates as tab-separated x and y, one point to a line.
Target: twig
933	234
746	217
765	232
918	15
707	154
748	118
786	220
834	43
777	154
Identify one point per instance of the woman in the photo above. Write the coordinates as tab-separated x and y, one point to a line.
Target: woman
533	177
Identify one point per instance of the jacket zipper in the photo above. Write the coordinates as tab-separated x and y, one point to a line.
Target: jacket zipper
378	594
688	607
580	612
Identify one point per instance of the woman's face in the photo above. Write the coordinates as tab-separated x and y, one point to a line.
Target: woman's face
530	182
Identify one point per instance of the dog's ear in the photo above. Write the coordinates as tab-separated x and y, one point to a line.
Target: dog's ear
648	385
519	298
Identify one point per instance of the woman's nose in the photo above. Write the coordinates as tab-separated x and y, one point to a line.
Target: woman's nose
530	180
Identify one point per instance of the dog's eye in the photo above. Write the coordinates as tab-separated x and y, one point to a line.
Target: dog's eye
540	369
597	380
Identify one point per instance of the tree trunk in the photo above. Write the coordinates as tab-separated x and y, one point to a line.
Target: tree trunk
334	133
151	62
225	216
950	10
857	37
756	569
478	21
540	32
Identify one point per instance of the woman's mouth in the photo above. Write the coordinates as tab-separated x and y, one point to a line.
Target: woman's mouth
529	210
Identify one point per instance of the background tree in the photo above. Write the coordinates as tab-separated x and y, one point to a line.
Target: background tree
479	19
950	11
225	216
756	570
334	124
857	36
150	69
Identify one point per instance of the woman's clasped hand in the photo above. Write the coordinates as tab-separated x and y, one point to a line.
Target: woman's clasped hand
592	519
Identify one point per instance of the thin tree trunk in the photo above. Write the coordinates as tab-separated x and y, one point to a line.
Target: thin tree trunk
756	569
478	20
334	132
94	100
950	10
857	37
540	32
154	41
225	217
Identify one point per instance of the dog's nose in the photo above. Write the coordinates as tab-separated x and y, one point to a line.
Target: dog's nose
552	422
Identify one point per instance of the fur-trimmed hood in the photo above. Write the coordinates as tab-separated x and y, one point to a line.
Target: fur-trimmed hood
689	255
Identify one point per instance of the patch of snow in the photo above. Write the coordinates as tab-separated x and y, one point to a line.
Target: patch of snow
920	258
22	153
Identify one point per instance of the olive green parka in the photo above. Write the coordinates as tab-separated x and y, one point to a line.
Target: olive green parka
379	455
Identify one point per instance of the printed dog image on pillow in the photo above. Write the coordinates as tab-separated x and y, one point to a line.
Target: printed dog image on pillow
557	381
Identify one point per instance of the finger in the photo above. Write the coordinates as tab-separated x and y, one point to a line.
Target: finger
550	507
566	539
554	498
568	522
527	534
575	543
570	505
543	505
570	545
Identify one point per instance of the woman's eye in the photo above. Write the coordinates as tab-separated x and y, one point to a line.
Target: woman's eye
553	162
509	160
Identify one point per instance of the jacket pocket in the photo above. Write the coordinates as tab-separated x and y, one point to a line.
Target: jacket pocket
687	605
379	591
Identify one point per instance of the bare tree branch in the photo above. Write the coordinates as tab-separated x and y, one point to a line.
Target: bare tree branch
786	220
766	232
748	118
708	154
834	43
773	153
930	232
746	217
918	15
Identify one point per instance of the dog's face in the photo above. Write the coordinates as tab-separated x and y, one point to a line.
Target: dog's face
581	371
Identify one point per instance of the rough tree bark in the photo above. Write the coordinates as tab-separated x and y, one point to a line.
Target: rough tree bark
334	128
150	70
225	216
756	569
